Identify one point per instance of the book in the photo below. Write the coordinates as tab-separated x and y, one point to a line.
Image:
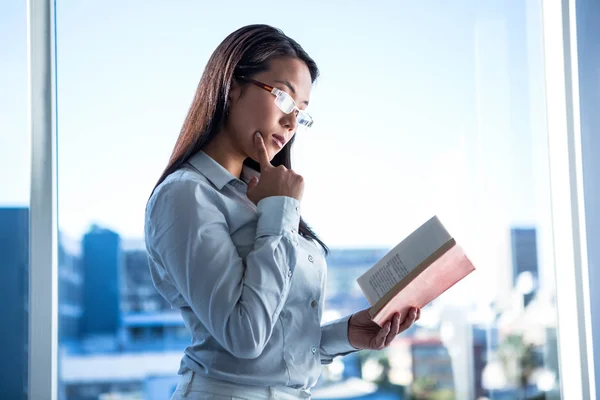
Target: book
418	270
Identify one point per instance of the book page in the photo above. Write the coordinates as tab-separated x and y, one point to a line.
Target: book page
402	259
385	278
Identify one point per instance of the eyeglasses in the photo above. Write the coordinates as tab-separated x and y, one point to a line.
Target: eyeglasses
285	103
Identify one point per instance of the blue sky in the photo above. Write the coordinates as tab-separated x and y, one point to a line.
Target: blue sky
422	108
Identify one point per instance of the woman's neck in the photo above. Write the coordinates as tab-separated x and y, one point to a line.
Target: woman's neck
222	151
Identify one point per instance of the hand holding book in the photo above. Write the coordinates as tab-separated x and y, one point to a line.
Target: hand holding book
363	333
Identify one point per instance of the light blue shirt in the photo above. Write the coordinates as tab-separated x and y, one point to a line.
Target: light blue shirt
249	287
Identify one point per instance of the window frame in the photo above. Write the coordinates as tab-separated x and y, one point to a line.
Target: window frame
576	311
43	228
569	218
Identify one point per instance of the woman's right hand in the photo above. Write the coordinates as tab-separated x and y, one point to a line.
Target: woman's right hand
274	181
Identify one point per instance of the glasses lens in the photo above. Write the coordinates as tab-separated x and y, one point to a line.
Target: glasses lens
304	120
287	105
285	102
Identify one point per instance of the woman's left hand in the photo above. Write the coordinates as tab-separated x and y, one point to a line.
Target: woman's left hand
365	334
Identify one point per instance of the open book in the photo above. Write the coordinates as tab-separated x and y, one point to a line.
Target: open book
415	272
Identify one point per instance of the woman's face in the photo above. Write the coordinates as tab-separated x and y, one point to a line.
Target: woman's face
253	108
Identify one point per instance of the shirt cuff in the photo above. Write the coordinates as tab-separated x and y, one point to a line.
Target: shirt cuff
278	215
334	337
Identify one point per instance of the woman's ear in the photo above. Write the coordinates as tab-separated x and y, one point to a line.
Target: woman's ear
235	91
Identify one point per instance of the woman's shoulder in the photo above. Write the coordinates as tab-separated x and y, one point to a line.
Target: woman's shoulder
183	184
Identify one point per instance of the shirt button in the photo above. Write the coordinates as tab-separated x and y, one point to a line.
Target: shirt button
314	303
289	273
293	231
313	349
310	258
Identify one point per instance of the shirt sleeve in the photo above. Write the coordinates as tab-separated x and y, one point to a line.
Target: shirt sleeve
334	340
238	301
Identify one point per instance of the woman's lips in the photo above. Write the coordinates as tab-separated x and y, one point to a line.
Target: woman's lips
279	140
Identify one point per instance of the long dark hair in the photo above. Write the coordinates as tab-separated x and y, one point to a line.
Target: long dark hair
245	52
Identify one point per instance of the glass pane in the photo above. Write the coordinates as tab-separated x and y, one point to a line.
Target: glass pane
455	128
442	113
14	199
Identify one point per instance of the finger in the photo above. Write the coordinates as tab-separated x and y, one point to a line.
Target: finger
383	332
263	156
394	330
253	182
418	314
408	321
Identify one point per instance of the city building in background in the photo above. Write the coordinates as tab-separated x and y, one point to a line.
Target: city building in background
525	261
14	298
101	261
70	293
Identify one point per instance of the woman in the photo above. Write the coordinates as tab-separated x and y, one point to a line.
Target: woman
227	245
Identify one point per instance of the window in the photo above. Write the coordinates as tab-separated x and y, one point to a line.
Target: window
427	109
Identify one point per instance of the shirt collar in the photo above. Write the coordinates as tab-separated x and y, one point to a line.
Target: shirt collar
216	173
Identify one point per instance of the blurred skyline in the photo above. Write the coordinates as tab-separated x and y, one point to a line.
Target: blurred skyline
428	108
